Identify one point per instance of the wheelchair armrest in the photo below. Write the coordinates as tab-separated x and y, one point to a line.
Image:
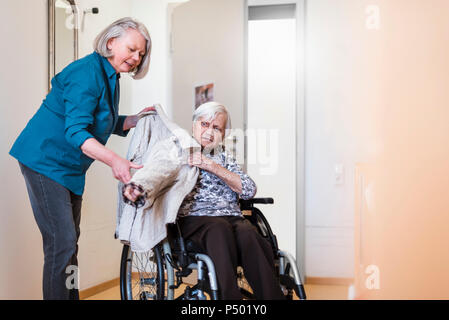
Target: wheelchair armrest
262	200
248	204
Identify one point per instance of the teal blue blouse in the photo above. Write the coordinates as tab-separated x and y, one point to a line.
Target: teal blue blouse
82	104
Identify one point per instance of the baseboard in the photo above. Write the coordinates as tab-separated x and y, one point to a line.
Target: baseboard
86	293
329	281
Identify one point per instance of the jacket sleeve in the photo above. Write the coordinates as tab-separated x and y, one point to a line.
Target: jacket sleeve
81	97
249	187
160	169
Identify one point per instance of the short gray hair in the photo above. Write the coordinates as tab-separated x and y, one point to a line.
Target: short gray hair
209	111
118	29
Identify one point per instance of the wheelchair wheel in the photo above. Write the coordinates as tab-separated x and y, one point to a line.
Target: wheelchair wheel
142	275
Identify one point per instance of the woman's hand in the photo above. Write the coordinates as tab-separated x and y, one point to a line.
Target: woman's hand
232	179
132	192
131	121
197	159
120	169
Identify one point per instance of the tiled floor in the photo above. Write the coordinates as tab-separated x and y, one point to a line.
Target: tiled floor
313	292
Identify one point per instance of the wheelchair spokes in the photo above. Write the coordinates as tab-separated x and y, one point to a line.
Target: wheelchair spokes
142	275
143	265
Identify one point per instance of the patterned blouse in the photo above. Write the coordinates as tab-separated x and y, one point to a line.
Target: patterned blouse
211	196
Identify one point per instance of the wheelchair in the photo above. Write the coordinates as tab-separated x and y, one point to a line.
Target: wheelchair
154	275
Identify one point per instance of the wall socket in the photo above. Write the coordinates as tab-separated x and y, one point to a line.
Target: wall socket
339	174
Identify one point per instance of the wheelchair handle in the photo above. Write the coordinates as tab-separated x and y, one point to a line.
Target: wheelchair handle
263	200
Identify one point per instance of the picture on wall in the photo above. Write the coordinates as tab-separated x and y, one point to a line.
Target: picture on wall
204	93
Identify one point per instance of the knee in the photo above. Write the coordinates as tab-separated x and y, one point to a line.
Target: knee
66	244
247	233
250	242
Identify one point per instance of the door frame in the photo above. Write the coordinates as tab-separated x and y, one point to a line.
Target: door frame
300	15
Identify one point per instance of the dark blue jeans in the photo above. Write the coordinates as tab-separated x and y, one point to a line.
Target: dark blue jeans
57	211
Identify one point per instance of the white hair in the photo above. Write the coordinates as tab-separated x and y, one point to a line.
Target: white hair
118	29
209	111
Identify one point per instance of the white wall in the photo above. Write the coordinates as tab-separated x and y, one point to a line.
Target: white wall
208	46
332	39
154	87
343	96
23	84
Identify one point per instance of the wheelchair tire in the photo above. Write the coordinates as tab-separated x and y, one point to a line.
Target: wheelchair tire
142	275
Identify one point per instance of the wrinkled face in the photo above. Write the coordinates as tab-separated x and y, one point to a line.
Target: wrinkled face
209	133
127	50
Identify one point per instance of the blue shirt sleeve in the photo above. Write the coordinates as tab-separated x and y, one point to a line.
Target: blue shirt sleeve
81	96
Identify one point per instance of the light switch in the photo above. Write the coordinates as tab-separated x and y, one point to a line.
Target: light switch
339	174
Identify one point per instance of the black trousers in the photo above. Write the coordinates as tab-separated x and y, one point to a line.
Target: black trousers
233	241
57	212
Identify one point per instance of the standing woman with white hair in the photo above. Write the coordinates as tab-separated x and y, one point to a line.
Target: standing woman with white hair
68	132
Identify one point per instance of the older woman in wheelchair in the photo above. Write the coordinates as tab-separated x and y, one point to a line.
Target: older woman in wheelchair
210	224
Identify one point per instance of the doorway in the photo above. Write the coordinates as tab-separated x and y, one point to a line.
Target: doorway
274	118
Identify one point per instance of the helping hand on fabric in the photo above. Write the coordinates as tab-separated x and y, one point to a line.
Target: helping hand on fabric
131	121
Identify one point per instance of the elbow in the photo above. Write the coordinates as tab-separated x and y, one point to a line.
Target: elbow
249	190
77	138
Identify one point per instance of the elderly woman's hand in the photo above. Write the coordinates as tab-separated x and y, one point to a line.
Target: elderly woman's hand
197	159
131	121
232	179
132	192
